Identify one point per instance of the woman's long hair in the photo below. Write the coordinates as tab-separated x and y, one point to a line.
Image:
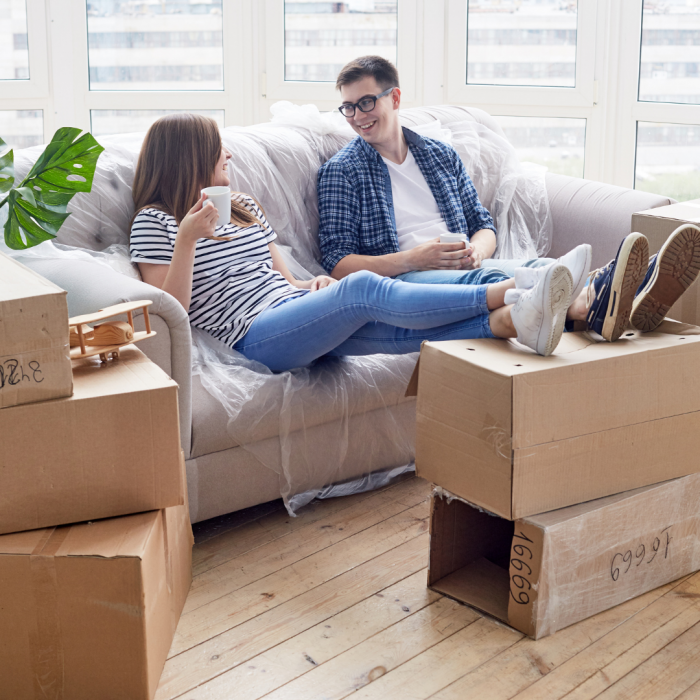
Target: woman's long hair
177	161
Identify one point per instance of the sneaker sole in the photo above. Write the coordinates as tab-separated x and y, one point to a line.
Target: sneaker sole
677	267
559	286
632	265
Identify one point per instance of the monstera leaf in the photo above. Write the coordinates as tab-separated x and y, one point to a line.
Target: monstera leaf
37	207
7	169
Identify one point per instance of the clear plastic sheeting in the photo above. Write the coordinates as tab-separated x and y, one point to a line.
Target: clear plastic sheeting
369	482
513	192
340	421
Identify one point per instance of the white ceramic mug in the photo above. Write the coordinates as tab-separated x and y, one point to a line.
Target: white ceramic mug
454	238
220	197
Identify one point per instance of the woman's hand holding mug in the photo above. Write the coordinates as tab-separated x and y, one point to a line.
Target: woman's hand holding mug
199	222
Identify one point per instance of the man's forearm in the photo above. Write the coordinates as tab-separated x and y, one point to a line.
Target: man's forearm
485	242
386	265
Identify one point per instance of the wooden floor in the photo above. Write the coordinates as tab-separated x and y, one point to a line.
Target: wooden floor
333	604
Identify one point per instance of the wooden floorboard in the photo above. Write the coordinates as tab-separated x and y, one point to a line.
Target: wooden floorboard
333	604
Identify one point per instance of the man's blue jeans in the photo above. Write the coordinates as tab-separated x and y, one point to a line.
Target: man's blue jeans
364	314
490	271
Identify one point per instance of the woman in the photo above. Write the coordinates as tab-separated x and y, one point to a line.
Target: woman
234	283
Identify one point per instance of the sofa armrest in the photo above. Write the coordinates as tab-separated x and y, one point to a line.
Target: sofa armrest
584	211
91	287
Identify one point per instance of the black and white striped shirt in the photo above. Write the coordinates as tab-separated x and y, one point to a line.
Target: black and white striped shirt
233	281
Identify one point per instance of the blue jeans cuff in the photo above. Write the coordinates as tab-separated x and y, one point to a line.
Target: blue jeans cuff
483	306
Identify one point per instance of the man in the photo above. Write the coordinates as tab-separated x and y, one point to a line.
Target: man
387	196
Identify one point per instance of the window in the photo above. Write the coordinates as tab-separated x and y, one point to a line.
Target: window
668	160
165	45
557	143
14	53
122	121
669	68
22	128
321	37
522	42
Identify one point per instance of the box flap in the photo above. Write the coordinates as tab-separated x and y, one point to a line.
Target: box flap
115	537
412	388
19	282
132	372
683	211
22	542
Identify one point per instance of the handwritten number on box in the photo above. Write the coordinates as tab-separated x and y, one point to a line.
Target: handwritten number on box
639	554
520	581
12	373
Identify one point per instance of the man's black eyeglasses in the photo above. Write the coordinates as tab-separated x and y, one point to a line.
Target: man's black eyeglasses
366	104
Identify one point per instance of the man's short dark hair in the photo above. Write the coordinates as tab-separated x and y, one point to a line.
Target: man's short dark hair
383	71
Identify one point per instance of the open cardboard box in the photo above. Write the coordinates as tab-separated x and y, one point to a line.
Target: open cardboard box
519	434
657	225
111	449
34	340
545	572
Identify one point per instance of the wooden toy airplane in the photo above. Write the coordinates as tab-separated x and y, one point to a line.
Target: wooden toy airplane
106	339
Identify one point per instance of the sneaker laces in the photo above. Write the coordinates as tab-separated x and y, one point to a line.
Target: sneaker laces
593	275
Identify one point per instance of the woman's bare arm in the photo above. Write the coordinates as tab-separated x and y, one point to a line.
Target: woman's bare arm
176	278
280	266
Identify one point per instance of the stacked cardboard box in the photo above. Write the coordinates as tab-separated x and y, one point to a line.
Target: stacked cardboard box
509	435
34	344
95	537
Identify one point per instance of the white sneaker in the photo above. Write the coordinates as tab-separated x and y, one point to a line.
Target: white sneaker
578	261
540	312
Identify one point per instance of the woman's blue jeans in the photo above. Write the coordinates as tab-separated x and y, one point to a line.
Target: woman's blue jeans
365	314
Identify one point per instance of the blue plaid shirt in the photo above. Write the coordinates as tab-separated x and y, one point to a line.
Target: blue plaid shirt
356	206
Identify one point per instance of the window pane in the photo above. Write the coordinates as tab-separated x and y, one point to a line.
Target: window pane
670	59
522	42
22	128
321	37
125	121
14	55
165	45
668	160
555	143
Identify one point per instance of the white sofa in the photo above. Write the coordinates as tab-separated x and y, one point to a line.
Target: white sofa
222	475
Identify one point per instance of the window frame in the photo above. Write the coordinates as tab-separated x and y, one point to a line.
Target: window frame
580	96
32	94
630	110
324	94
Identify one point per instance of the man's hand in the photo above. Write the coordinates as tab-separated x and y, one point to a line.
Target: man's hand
434	255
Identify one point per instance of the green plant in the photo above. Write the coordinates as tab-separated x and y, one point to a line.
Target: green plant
37	207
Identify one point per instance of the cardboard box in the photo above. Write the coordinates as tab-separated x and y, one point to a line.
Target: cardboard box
545	572
89	611
34	340
519	434
657	225
111	449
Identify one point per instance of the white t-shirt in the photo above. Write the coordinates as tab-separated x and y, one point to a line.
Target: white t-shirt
418	218
233	281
